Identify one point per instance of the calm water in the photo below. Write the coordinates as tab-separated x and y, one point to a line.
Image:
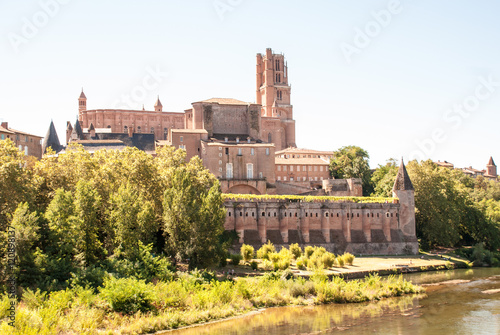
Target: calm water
455	303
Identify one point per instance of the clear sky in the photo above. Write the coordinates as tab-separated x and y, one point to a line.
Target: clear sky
418	79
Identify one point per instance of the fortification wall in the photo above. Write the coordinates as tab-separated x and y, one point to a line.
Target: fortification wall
359	228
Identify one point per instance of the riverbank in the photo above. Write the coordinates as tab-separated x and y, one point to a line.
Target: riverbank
130	306
366	265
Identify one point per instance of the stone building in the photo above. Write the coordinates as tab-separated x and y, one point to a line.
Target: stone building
361	228
28	143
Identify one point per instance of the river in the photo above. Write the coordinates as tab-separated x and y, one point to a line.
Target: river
456	302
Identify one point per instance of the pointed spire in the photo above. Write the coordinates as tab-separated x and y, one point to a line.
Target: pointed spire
158	103
402	182
143	107
51	139
91	127
69	127
77	133
491	162
82	95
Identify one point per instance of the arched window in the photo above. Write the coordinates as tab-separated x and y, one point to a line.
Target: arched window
139	129
125	129
269	137
152	130
165	133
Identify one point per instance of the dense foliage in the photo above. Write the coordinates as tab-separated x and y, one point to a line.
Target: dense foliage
80	216
452	209
352	162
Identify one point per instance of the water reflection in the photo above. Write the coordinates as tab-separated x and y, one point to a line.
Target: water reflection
455	307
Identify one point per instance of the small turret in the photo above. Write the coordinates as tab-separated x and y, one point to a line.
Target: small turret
69	130
403	189
92	130
158	105
491	168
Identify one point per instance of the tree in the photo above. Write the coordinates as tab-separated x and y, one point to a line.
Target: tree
446	214
87	206
383	178
132	219
193	214
352	162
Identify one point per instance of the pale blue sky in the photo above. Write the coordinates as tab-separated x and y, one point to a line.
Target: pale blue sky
396	91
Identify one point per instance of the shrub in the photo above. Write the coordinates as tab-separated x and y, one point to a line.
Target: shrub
235	259
274	257
301	263
328	259
267	248
295	250
340	261
267	265
283	264
247	252
254	265
348	258
34	300
308	251
128	295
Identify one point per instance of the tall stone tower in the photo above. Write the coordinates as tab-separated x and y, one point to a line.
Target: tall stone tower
82	102
491	168
403	189
273	93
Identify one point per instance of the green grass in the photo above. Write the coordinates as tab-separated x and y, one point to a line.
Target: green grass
187	300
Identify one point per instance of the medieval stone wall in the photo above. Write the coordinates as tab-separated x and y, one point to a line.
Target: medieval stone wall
360	228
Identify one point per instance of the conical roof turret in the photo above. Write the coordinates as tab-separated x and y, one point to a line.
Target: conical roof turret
402	182
491	162
51	140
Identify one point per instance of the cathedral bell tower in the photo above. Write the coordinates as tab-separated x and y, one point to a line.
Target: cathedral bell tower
82	102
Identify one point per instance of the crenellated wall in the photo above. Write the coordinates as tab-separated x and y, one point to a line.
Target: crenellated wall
360	228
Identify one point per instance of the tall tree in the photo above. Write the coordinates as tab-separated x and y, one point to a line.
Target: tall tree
383	178
352	162
193	214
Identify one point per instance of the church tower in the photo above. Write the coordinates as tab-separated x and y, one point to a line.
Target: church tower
273	93
82	102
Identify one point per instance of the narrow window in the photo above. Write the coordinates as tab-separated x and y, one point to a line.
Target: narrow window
249	171
246	214
241	213
252	151
227	151
239	152
229	213
270	138
263	213
253	214
229	170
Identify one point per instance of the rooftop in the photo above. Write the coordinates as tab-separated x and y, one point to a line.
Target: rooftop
226	101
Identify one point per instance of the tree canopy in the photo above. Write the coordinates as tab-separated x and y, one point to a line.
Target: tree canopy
351	162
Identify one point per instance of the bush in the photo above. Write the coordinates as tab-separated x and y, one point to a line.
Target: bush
254	265
267	248
247	252
301	263
308	251
328	259
235	259
340	261
348	258
267	265
128	295
295	250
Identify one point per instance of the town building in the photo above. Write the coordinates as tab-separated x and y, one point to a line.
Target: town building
28	143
